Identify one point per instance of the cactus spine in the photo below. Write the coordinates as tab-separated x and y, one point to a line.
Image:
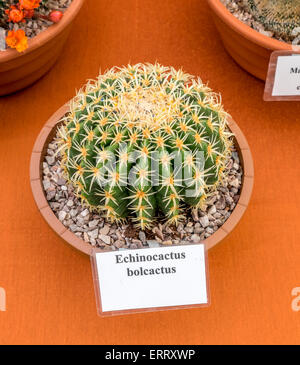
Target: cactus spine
278	16
136	120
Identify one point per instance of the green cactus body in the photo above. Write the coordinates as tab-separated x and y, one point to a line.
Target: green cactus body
279	16
137	120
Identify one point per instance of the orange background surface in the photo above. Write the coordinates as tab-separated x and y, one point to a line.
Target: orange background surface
50	294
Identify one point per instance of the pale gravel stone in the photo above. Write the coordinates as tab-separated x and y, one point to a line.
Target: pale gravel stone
204	221
94	223
142	236
2	39
54	206
228	199
85	213
152	243
185	242
189	229
93	242
227	215
61	181
168	230
70	203
138	243
220	204
235	183
212	209
209	230
195	238
195	215
198	228
217	215
94	234
104	238
73	212
46	184
167	243
235	156
211	200
218	222
118	244
180	227
50	160
62	215
80	221
158	233
236	166
75	228
105	229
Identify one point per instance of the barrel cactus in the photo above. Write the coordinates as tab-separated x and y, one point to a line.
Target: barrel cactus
144	139
279	16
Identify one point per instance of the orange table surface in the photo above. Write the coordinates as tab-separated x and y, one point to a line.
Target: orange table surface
49	288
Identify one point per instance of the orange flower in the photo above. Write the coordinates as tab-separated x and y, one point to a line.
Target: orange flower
17	39
14	15
29	4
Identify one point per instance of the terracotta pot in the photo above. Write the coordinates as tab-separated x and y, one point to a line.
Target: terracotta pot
18	70
38	154
249	48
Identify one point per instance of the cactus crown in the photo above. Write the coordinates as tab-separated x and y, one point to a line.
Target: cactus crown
278	16
144	138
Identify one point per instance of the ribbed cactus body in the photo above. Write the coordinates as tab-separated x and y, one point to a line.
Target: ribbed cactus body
278	16
143	139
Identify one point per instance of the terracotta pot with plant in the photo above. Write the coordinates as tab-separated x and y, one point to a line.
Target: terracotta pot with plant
143	156
252	29
32	35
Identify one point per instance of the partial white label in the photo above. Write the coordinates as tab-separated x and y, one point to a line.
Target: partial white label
287	76
154	277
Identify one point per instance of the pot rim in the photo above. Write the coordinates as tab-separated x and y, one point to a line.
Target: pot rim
37	157
46	35
245	30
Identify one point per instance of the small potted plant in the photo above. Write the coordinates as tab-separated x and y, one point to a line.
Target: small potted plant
252	29
143	156
32	34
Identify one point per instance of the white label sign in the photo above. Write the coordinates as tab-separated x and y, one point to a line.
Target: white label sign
152	277
287	76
